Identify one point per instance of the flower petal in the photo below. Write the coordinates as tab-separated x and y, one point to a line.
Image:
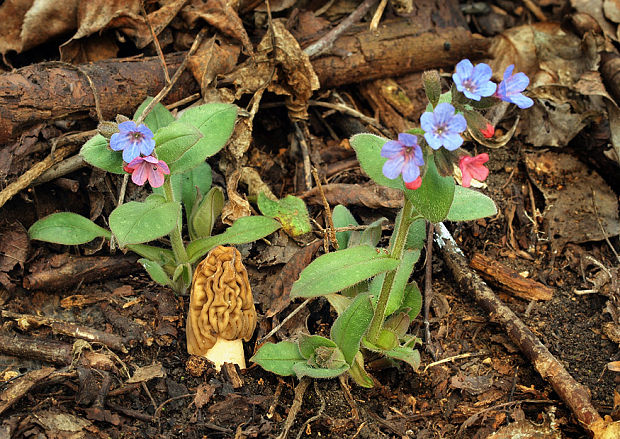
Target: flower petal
131	151
118	141
128	125
408	139
156	177
393	167
139	175
427	121
410	171
146	146
433	140
452	141
164	167
521	101
391	148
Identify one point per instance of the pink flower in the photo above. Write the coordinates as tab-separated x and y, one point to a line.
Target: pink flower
488	131
147	168
415	184
472	167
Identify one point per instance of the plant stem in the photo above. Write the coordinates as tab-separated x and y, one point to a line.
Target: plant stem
176	238
401	229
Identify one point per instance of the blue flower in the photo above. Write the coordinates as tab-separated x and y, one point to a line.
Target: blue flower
443	127
510	88
404	157
474	82
132	140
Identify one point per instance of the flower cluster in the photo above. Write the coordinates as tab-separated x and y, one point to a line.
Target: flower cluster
444	125
137	144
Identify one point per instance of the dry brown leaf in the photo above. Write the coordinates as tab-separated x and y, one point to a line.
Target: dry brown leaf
236	206
565	82
571	192
212	58
158	19
13	246
12	14
220	14
598	9
146	373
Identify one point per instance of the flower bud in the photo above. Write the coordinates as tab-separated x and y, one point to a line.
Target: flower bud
432	86
107	128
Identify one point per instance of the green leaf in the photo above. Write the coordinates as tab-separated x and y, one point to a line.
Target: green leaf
290	211
387	339
305	370
66	228
333	272
215	121
205	214
278	358
343	217
371	236
194	182
434	198
359	374
406	354
309	343
412	300
416	237
368	149
159	116
97	153
470	205
155	270
338	302
160	255
245	229
135	223
404	270
351	325
177	146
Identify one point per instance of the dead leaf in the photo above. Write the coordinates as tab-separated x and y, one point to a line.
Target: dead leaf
212	58
146	373
472	384
281	249
204	392
599	10
527	429
220	14
576	199
12	14
56	423
14	246
281	298
236	206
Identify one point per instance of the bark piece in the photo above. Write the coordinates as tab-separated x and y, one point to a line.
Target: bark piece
28	321
63	271
22	385
509	280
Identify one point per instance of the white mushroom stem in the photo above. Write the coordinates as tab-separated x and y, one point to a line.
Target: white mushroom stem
226	351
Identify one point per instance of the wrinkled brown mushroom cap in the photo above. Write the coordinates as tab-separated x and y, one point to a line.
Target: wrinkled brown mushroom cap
221	304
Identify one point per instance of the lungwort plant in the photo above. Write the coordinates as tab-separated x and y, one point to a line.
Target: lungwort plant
370	287
170	154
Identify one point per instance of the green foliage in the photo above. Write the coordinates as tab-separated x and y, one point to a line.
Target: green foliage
205	213
404	270
215	121
332	272
303	369
159	116
156	271
136	223
290	211
416	237
368	149
279	358
470	205
66	228
245	229
177	145
351	325
96	152
434	198
412	300
342	217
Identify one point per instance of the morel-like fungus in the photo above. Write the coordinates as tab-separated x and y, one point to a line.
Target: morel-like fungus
221	309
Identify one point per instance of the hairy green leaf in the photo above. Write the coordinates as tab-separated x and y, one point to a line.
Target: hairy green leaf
66	228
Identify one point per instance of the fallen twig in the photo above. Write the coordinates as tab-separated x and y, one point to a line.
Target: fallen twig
29	321
300	390
575	395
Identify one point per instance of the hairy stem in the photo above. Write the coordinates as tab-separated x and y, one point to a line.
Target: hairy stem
176	238
401	229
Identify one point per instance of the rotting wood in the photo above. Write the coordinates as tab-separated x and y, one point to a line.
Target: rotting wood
73	270
28	321
509	280
22	386
50	91
575	395
50	351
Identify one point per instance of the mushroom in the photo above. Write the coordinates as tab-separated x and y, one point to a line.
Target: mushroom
221	309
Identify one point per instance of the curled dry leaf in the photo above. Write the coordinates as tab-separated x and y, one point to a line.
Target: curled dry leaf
221	15
576	199
236	206
370	195
212	58
282	67
604	12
